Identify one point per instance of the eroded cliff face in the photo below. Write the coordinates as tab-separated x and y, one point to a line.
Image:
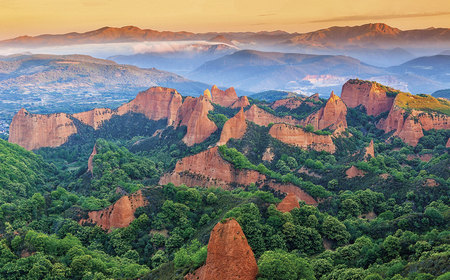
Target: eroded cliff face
291	103
370	151
229	255
288	203
91	160
368	94
225	98
263	118
119	214
233	128
194	115
209	169
353	172
409	126
333	115
242	102
297	136
293	190
95	117
156	103
33	131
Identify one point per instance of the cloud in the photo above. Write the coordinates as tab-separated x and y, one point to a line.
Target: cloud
379	17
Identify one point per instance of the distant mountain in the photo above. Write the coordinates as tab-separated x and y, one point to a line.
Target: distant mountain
47	83
373	35
444	93
258	71
177	58
273	95
425	74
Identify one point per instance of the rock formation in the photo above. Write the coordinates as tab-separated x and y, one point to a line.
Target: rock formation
156	103
333	115
233	128
297	136
118	215
33	131
370	151
95	117
290	103
371	95
242	102
229	255
448	143
224	98
262	117
288	203
209	169
194	115
291	189
353	172
91	160
409	124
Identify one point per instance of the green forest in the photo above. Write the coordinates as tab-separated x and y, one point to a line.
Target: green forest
391	223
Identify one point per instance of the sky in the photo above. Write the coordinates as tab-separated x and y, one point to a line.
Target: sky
33	17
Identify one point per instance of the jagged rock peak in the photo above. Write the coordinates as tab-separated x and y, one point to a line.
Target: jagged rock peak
233	128
223	98
229	255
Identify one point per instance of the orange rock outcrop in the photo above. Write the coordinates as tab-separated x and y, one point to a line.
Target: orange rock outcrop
368	94
91	160
297	136
95	117
291	103
33	131
263	118
194	115
233	128
156	103
409	126
118	215
448	143
353	172
370	151
209	169
333	115
288	203
242	102
225	98
289	188
229	255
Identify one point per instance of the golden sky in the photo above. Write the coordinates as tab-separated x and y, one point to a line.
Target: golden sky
32	17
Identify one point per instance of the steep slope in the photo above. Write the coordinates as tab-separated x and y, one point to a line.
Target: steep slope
233	128
288	203
333	115
118	215
375	98
22	173
208	169
262	117
35	131
229	255
194	115
411	114
155	103
228	98
297	136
